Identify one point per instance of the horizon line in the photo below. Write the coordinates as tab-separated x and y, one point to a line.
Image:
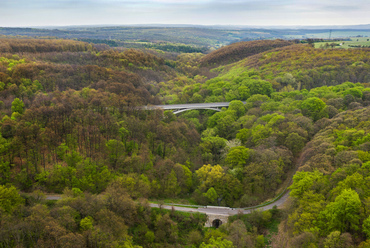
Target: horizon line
184	24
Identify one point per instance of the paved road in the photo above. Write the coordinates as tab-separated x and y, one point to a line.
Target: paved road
212	210
53	197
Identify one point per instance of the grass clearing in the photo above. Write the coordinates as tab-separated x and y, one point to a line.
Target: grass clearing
272	229
324	34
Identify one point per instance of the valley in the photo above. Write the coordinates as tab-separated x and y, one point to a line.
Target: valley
108	128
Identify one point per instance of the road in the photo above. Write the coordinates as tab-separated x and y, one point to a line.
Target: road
209	210
213	210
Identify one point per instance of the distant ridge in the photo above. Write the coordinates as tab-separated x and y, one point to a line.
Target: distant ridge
240	50
317	27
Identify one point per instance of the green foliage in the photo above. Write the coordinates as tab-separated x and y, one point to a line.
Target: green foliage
172	188
219	243
356	92
237	156
312	107
343	213
366	227
81	133
336	240
86	223
209	175
295	142
260	132
260	241
243	135
303	181
17	106
9	198
116	151
260	87
212	147
238	107
307	213
5	172
188	177
86	176
211	195
149	237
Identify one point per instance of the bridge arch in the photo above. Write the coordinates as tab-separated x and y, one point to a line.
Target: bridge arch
187	109
216	220
216	223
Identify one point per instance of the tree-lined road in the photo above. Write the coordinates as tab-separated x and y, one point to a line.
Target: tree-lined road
213	210
209	210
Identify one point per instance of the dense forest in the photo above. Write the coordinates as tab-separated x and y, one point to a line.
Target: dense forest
71	125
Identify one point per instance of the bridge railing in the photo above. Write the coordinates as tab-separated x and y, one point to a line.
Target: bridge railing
246	208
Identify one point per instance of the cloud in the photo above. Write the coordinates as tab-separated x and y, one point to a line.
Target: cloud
242	12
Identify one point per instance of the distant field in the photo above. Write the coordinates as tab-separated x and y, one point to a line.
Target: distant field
113	36
175	39
360	41
334	34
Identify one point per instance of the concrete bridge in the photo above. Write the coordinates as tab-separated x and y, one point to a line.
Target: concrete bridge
179	108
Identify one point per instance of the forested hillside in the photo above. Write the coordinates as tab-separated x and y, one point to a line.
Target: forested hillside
313	67
241	50
330	192
70	124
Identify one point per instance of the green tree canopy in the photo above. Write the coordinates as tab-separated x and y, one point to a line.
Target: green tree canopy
344	213
312	107
237	156
9	198
17	106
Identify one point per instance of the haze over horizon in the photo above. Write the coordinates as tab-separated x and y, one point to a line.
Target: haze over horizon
26	13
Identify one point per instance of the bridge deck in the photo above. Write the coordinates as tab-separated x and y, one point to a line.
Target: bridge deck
189	106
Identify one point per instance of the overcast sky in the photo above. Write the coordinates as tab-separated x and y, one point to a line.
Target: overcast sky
208	12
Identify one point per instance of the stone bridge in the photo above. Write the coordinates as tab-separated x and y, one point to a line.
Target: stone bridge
216	220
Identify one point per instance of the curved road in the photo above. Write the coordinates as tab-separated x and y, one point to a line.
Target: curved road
209	210
213	210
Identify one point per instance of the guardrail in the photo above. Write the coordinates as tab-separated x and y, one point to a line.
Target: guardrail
219	207
180	205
